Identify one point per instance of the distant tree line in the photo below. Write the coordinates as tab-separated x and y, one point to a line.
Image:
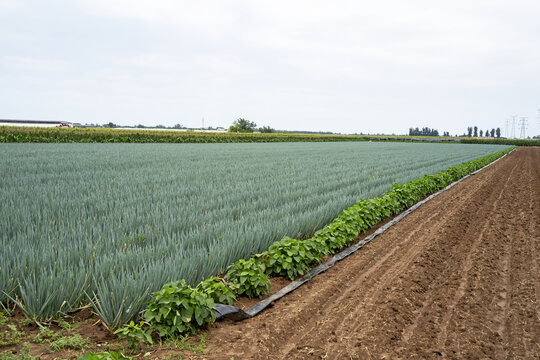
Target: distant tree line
425	131
472	131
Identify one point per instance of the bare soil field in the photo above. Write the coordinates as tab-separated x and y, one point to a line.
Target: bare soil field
459	278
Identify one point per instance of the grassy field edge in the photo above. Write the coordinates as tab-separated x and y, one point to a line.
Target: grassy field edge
11	134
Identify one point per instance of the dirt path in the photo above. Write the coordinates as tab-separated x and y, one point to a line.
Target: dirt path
459	277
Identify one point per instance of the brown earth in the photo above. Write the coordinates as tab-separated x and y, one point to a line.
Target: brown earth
459	278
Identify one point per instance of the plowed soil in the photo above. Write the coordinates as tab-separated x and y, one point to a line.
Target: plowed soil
459	278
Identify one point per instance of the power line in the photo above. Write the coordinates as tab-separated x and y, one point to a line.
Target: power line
522	127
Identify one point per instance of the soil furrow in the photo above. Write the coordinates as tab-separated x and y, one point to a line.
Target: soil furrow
374	282
475	255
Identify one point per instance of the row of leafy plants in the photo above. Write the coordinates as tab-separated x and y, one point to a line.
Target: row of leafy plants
11	134
103	135
500	141
179	309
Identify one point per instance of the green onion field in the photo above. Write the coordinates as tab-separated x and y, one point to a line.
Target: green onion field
111	223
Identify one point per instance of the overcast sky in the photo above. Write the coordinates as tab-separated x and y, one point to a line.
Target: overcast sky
342	66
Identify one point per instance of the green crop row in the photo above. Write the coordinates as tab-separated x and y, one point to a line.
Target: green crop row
11	134
513	142
188	307
105	135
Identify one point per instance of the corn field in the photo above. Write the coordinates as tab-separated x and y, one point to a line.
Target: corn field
111	223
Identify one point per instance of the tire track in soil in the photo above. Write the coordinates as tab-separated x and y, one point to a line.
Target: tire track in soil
476	251
523	316
441	281
459	275
486	280
332	319
535	246
410	256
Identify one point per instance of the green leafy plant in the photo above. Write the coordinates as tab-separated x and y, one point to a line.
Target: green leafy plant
3	319
24	354
106	355
74	342
178	309
26	321
289	258
134	334
10	336
173	357
182	342
317	246
218	289
63	324
248	277
332	236
46	334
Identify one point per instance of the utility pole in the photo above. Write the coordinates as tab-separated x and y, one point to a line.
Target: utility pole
522	127
506	131
513	127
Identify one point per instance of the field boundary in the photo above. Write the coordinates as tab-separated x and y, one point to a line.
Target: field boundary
237	314
14	134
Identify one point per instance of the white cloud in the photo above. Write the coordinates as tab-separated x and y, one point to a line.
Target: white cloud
34	64
343	65
10	5
204	17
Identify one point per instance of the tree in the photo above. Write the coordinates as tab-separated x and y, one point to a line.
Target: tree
424	132
475	131
469	131
492	132
481	132
266	129
498	132
487	133
178	126
242	125
110	125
